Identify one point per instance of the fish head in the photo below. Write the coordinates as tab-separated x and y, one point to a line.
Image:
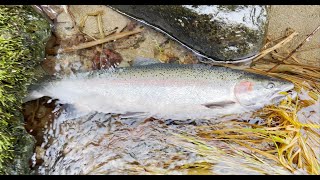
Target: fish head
259	90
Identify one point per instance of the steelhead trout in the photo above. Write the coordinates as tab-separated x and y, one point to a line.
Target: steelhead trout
166	91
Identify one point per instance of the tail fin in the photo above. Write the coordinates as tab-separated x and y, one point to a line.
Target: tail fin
37	84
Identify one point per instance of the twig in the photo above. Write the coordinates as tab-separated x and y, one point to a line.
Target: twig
100	26
303	42
294	58
99	41
281	43
99	19
95	13
275	40
82	22
110	32
105	34
280	57
298	47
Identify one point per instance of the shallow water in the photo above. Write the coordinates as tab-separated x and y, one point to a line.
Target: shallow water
100	143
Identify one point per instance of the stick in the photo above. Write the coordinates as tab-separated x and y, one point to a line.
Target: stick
99	41
100	26
281	43
298	47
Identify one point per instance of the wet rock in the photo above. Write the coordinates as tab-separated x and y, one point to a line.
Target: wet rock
222	33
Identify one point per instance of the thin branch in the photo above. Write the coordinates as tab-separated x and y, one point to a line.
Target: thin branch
303	42
281	43
298	47
99	41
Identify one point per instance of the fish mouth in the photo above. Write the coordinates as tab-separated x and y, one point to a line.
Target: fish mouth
283	93
272	98
287	87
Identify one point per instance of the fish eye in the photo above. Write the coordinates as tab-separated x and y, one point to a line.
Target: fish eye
271	85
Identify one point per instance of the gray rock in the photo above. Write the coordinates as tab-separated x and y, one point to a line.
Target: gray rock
221	33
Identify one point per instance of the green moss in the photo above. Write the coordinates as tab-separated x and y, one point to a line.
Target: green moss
23	34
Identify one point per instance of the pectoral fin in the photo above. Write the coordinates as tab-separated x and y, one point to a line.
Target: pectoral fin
221	104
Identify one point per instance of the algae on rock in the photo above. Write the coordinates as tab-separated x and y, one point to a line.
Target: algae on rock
23	36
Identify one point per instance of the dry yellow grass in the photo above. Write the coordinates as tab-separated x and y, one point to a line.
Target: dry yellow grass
283	136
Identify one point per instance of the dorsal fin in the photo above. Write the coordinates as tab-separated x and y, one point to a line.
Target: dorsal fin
140	61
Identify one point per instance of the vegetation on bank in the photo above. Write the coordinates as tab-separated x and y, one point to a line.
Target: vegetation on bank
23	35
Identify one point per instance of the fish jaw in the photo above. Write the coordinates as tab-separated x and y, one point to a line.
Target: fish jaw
257	101
286	89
